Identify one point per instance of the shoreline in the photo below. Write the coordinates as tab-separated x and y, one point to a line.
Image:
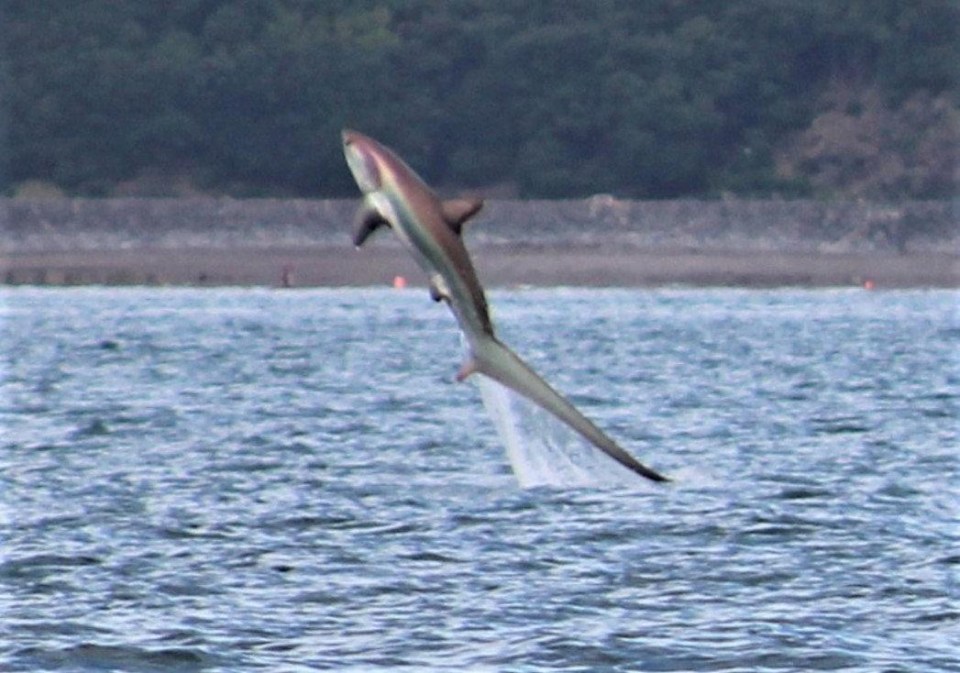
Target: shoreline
497	265
597	241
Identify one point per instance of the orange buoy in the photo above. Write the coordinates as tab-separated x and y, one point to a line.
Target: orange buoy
399	282
868	284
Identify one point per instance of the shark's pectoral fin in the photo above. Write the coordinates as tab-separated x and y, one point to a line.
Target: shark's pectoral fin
469	366
367	221
458	211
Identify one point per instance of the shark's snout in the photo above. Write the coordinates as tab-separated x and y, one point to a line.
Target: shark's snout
361	160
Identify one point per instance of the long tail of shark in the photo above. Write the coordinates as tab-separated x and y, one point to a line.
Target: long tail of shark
495	360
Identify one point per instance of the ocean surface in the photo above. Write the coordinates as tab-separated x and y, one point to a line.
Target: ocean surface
234	480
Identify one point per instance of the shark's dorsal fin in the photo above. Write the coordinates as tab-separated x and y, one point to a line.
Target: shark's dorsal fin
458	211
367	221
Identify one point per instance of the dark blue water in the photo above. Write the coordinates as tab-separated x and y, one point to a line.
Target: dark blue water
230	480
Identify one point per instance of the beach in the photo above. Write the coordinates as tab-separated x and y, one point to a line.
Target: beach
593	242
497	267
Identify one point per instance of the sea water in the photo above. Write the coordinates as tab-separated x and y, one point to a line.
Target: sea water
229	480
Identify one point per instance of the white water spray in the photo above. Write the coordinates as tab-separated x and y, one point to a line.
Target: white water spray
543	450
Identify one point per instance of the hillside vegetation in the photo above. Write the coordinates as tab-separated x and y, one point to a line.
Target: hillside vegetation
652	99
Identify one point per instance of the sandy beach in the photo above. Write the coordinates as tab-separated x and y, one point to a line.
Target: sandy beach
599	241
498	266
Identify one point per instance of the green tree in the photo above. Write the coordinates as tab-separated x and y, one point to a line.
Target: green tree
654	99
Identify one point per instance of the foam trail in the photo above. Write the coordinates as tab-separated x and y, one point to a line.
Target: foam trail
543	450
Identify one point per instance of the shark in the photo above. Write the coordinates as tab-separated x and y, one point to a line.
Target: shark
431	229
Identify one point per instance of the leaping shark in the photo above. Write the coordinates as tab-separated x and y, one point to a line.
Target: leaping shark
396	197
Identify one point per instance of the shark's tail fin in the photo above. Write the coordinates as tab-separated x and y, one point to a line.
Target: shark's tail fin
493	359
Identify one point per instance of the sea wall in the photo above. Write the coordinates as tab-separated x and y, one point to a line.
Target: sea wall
600	222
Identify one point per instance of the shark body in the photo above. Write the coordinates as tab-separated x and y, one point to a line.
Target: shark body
395	196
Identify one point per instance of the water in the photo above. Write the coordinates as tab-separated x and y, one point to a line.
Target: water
229	480
543	451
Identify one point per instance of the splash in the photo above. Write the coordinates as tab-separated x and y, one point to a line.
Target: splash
543	450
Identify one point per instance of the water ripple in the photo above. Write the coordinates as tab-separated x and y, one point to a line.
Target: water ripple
232	480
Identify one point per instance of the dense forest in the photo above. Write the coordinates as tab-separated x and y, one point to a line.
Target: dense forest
640	99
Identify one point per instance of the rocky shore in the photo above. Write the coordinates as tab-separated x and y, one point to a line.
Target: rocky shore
595	241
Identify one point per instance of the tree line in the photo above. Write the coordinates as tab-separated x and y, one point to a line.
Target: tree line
651	99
